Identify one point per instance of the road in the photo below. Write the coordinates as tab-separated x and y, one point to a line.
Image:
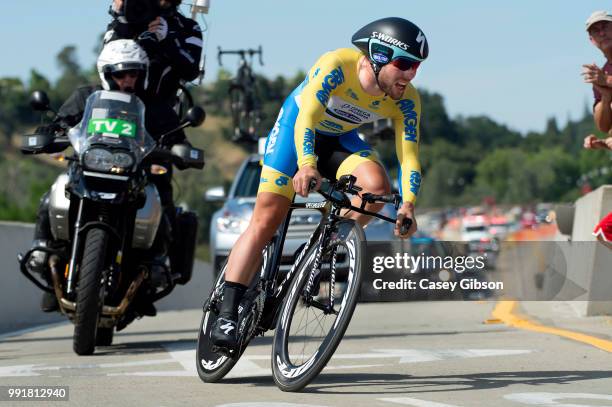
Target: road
424	354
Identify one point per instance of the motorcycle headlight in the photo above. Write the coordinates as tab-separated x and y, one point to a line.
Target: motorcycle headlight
123	160
100	159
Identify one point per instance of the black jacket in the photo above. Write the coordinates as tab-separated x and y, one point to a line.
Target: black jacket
175	59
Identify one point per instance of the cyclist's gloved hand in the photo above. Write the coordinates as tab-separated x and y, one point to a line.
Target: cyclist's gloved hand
405	211
301	180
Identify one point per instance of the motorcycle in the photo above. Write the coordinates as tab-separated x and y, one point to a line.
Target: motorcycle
112	240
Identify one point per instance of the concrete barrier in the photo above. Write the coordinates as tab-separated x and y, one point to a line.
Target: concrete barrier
597	279
20	299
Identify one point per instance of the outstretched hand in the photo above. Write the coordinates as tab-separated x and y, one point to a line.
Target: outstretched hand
594	74
591	142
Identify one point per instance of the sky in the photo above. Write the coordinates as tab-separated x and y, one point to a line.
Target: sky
517	62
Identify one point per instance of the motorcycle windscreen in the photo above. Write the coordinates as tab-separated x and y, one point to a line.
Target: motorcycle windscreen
113	119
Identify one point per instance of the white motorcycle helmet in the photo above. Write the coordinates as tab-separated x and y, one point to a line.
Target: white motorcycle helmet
122	55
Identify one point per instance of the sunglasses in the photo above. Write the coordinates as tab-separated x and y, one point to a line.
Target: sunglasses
405	64
122	74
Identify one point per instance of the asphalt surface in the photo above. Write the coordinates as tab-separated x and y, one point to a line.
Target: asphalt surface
430	354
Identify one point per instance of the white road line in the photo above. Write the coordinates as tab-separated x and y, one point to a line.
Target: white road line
430	355
352	366
267	404
554	399
37	370
409	401
247	366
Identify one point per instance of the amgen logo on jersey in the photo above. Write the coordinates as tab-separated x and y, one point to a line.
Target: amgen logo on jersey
410	119
331	81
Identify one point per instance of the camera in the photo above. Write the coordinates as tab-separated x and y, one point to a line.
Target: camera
140	11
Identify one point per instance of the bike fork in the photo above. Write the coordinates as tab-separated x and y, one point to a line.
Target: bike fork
316	271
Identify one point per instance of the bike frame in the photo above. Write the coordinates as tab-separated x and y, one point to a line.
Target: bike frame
330	210
275	293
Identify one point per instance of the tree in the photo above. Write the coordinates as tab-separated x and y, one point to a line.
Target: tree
71	77
38	82
13	106
435	123
551	127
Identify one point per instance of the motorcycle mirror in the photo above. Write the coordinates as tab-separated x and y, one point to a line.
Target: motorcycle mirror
195	116
39	101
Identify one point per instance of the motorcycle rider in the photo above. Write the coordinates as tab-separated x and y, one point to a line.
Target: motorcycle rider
122	66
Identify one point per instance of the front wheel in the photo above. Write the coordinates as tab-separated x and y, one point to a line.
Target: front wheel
306	335
90	292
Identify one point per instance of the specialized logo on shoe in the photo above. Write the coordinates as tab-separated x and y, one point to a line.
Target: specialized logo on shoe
227	328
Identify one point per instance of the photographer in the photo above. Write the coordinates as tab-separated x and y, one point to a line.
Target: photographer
172	41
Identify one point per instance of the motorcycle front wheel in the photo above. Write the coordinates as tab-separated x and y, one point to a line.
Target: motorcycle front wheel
90	292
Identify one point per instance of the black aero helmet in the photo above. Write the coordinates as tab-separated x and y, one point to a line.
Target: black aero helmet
391	38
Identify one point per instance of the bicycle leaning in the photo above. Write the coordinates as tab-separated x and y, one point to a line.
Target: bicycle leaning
244	102
311	305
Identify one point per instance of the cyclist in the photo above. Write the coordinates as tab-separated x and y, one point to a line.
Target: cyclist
316	133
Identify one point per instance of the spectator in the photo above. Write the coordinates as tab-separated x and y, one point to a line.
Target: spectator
603	231
599	27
